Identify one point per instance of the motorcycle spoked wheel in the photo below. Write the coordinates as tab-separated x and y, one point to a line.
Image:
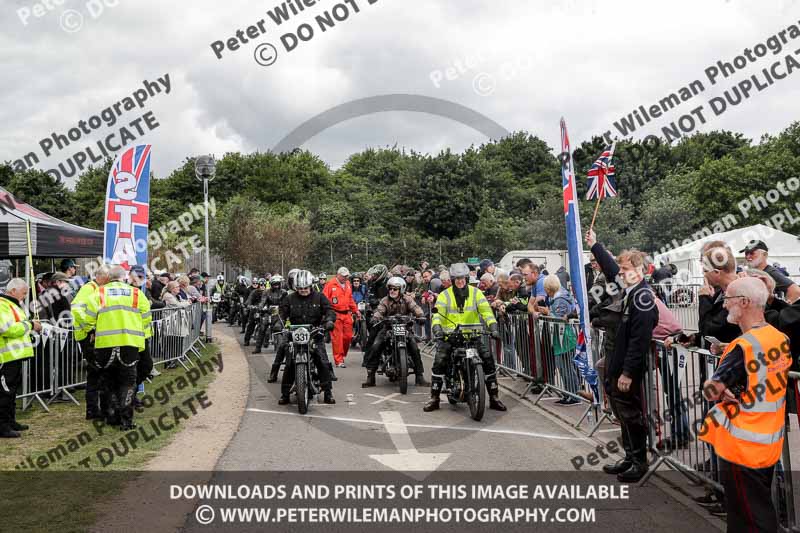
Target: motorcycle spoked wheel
476	398
402	374
301	387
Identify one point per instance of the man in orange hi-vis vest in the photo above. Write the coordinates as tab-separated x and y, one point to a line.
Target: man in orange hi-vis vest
339	292
746	426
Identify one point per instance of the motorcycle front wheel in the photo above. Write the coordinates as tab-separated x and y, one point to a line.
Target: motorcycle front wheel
301	387
402	367
477	392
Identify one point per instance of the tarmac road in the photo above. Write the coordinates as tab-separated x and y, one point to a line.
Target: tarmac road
378	430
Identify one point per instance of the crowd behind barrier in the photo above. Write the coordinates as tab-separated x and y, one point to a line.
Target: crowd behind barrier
58	368
541	350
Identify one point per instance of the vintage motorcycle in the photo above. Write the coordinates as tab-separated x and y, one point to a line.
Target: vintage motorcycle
306	381
395	359
464	380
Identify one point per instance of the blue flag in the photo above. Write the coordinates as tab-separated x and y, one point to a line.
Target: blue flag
583	351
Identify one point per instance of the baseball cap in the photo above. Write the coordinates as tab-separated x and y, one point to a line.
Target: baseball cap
486	263
67	263
343	271
754	245
138	270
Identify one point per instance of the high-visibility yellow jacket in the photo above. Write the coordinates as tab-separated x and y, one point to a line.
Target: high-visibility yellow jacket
119	315
15	328
78	310
751	432
476	310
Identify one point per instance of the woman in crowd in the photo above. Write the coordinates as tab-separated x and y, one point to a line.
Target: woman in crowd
562	305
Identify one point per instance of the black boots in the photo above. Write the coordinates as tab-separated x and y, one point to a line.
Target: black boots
433	403
619	467
7	433
636	472
258	349
16	426
328	397
273	374
495	403
420	381
284	399
370	380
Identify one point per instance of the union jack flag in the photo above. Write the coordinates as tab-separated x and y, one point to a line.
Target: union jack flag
601	177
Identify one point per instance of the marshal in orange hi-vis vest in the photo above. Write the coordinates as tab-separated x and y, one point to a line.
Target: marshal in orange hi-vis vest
750	432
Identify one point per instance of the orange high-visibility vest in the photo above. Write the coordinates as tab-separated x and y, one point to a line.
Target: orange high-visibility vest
750	433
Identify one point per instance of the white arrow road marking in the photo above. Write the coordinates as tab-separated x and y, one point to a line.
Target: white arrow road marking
425	426
407	459
388	397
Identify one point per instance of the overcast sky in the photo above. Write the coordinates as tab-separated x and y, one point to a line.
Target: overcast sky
527	63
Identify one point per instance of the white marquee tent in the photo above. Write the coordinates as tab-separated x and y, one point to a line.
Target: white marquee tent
784	248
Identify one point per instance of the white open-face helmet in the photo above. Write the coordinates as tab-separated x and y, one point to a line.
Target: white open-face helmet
459	270
398	282
303	280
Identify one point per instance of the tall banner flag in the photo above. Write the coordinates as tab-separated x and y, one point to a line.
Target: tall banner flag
128	208
583	353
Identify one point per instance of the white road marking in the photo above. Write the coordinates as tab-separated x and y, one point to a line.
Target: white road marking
424	426
407	459
388	397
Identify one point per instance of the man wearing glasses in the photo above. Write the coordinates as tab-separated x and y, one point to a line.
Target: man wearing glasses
746	426
755	253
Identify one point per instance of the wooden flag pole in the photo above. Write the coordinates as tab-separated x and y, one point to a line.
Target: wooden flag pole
596	207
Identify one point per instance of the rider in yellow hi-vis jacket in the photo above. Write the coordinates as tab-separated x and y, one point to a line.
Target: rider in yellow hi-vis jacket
119	314
461	304
15	345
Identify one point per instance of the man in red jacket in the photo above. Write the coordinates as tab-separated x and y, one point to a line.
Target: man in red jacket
339	292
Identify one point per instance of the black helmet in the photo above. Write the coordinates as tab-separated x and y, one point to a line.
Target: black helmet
378	273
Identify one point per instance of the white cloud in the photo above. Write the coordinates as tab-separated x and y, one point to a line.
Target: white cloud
588	60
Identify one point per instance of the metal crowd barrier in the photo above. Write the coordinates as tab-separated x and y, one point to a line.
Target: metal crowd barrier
683	300
675	410
57	366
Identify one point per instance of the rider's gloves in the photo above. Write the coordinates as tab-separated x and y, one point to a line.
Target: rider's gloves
329	326
494	331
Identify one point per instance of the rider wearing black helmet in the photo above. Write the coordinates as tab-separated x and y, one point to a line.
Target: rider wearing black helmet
270	298
253	301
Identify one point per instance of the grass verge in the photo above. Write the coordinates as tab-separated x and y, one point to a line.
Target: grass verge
77	463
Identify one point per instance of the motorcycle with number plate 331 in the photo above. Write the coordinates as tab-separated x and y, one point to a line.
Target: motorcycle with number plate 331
306	380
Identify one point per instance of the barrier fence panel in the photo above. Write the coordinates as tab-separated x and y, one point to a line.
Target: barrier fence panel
683	301
675	410
58	366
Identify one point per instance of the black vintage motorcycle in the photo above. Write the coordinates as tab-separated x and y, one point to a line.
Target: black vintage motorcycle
306	380
464	379
395	359
270	321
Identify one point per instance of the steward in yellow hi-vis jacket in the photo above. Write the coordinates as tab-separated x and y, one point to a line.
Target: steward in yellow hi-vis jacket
96	391
119	314
15	346
137	277
460	305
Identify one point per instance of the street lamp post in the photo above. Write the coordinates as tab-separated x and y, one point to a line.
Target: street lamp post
204	169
